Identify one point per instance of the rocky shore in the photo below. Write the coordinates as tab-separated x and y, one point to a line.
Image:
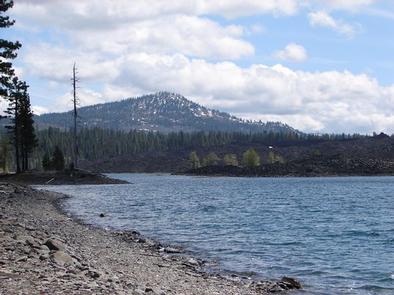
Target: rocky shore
43	251
59	178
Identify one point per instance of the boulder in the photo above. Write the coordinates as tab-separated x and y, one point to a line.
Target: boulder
289	283
62	258
172	250
55	245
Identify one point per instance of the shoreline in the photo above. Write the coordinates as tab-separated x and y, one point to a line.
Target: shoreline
44	250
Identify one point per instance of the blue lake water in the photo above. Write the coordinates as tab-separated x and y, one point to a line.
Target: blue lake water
336	235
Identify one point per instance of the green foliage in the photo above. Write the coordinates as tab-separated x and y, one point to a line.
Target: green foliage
96	144
7	50
230	159
194	160
15	91
251	158
21	127
275	158
210	160
57	161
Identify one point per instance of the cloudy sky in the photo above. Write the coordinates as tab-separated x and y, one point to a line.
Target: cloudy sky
318	65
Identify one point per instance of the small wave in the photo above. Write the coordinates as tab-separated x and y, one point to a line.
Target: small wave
373	288
208	208
295	243
360	233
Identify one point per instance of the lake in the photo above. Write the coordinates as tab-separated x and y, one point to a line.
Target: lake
335	235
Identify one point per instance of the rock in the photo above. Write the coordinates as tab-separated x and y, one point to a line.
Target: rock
44	248
93	274
172	250
55	245
289	283
62	258
44	256
102	215
21	259
149	290
32	242
193	261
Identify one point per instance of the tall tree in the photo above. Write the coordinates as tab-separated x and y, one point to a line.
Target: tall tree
58	159
75	114
18	90
28	137
46	162
7	51
4	153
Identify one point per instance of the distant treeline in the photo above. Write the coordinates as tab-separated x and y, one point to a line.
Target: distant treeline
102	143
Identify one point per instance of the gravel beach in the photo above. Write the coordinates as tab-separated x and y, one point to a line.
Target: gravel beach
43	251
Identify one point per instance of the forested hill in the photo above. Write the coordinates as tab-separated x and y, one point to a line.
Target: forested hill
165	112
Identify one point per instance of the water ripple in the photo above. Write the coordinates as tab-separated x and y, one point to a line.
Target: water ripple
335	234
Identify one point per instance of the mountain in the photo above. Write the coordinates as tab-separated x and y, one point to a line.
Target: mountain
162	111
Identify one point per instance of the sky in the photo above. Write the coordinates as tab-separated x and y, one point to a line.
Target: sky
317	65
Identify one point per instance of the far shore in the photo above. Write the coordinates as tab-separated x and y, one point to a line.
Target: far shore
44	251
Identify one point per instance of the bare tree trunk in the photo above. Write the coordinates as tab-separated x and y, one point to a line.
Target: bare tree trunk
16	134
75	103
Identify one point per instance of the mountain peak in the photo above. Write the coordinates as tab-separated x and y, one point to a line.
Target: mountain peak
161	111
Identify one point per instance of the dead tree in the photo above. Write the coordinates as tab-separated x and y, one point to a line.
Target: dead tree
75	101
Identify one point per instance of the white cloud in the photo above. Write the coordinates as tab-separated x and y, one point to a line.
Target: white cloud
323	101
189	35
38	110
109	13
125	50
293	53
323	19
349	5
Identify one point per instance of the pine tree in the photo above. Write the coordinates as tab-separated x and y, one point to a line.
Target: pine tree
4	153
18	90
7	51
57	159
46	162
28	136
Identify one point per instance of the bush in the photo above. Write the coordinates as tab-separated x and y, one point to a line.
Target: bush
251	158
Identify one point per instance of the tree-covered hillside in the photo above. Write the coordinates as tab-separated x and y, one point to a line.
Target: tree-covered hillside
164	112
137	151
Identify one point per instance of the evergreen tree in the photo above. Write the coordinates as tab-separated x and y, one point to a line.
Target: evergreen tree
4	153
46	162
7	51
230	159
210	160
251	158
28	136
194	160
57	159
18	90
